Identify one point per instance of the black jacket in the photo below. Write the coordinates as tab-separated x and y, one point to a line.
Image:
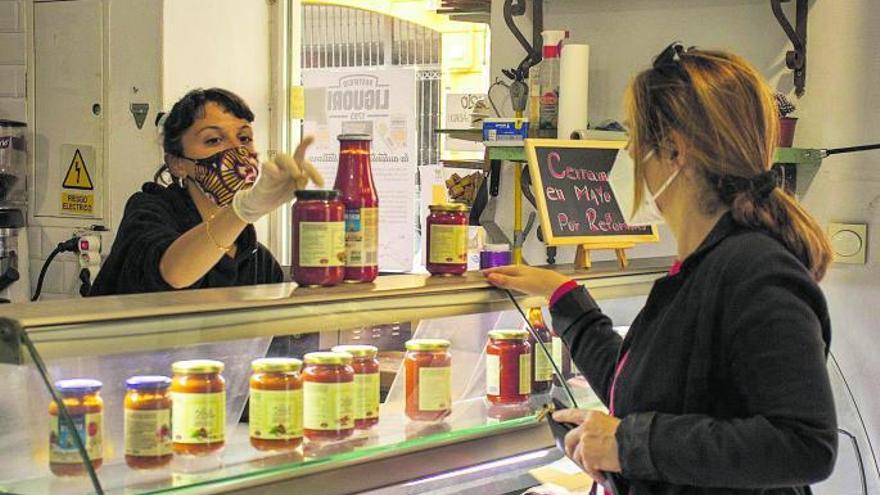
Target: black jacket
725	388
155	218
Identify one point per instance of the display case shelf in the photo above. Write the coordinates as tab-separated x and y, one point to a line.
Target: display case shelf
112	338
107	325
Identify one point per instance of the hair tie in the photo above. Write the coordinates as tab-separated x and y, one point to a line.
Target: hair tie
758	186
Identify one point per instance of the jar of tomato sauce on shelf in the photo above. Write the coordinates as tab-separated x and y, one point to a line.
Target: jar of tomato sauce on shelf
354	180
366	383
318	257
147	422
276	404
83	401
328	394
508	367
198	407
428	366
447	240
542	368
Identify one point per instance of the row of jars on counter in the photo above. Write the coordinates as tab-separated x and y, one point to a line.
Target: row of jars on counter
329	397
322	238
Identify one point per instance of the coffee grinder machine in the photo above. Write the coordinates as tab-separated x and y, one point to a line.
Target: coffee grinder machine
14	276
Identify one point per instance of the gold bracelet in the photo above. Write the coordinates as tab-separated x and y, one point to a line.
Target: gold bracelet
213	239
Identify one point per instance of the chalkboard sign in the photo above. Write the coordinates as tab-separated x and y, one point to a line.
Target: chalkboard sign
576	202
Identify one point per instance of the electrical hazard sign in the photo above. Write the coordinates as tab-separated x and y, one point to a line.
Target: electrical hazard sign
78	184
77	176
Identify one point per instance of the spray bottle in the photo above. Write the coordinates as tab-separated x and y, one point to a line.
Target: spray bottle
548	117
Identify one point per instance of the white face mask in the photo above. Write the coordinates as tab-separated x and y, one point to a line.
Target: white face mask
648	213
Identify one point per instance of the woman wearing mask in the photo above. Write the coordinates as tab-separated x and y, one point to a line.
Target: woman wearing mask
720	386
197	231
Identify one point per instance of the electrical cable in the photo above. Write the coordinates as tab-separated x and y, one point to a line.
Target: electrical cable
543	347
62	409
66	246
851	149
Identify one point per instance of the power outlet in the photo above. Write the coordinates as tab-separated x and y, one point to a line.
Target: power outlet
849	242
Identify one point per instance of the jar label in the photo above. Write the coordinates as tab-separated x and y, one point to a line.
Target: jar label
525	374
366	396
328	406
493	374
448	244
147	432
198	418
435	388
62	446
557	351
321	244
361	236
543	366
276	414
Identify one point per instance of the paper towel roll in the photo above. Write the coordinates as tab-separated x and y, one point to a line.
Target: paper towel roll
573	87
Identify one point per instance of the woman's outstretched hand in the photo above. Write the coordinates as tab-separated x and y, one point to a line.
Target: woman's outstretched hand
279	179
526	279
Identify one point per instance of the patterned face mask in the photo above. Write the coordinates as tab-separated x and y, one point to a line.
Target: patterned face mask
222	175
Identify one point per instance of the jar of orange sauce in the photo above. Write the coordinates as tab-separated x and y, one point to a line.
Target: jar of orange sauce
198	410
147	422
276	404
86	408
428	379
328	396
366	383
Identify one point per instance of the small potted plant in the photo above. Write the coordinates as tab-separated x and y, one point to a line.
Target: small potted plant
786	124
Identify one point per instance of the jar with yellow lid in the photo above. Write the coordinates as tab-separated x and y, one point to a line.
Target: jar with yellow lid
365	363
328	396
198	407
508	367
447	242
276	404
428	368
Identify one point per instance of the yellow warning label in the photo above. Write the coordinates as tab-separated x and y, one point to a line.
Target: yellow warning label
77	176
76	203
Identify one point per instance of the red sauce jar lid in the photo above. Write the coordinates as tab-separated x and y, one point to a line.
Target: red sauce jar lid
509	334
79	386
317	195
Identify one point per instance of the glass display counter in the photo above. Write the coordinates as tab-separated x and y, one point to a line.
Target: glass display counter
111	339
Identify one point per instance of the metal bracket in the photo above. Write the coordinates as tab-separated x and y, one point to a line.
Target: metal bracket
796	59
10	342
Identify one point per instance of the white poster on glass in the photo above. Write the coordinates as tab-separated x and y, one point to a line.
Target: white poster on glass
381	103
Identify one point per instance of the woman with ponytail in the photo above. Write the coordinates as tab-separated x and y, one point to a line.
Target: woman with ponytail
720	386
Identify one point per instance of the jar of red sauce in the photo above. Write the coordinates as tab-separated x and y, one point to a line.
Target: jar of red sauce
328	394
428	366
508	367
198	407
365	363
83	401
542	368
147	423
447	240
354	180
318	257
276	404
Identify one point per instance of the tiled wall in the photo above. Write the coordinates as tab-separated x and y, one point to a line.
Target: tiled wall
12	60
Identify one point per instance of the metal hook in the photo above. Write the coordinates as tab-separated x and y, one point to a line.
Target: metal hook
796	59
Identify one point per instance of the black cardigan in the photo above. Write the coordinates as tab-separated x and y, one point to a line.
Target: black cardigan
155	218
725	388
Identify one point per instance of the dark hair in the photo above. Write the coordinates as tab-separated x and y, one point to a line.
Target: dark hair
185	112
